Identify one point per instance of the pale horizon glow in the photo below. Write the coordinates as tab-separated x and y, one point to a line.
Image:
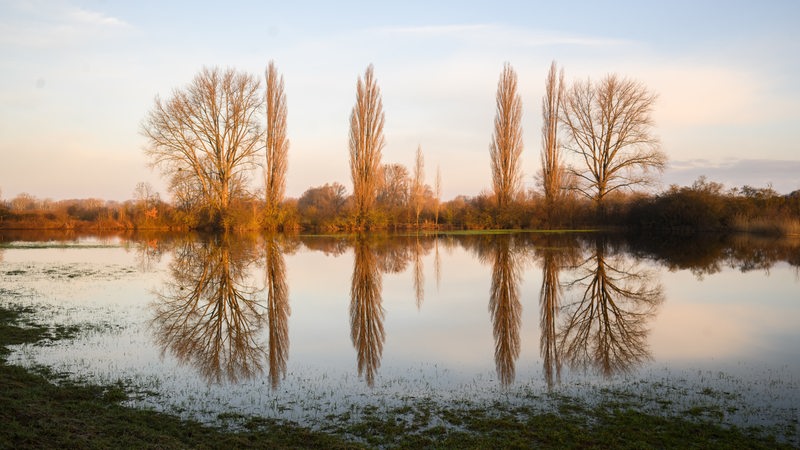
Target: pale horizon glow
78	77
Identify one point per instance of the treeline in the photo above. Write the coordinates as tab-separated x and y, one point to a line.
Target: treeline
214	137
704	206
28	212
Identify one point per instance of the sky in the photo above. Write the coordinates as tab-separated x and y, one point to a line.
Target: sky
78	77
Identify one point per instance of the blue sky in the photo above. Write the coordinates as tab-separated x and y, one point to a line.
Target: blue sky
77	78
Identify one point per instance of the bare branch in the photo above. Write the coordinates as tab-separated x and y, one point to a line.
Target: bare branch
506	147
608	125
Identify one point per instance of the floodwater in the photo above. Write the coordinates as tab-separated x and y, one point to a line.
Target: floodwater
305	327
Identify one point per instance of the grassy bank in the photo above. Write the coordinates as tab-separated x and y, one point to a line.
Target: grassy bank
35	413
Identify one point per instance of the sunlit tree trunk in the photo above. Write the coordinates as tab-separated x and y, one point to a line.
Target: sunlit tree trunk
418	184
506	147
277	147
438	200
366	144
552	168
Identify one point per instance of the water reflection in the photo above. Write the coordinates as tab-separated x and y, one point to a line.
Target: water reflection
549	304
606	325
419	274
505	308
208	314
596	301
366	310
278	310
706	254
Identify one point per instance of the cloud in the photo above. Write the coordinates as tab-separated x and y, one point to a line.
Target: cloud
56	26
495	34
94	18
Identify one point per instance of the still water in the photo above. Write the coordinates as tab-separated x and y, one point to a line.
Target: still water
305	327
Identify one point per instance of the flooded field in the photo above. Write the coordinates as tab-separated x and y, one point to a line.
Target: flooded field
320	329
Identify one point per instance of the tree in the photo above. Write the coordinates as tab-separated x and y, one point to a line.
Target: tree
323	203
506	146
277	144
608	126
438	193
394	190
418	186
366	144
552	167
211	132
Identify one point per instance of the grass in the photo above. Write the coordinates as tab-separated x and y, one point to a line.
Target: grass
36	413
780	226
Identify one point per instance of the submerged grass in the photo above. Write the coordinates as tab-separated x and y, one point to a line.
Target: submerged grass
35	413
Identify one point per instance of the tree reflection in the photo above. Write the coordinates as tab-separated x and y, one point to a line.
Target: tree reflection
419	274
278	311
207	314
549	303
505	308
366	311
606	327
555	252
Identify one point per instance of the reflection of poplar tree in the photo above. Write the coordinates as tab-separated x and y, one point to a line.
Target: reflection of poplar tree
549	299
437	264
278	312
506	309
207	313
607	325
419	274
366	311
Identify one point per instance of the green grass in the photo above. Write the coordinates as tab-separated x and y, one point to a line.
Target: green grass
35	413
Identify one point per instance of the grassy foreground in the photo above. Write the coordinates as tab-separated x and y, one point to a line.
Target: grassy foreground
35	413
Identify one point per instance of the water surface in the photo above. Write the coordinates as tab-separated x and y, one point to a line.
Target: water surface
305	327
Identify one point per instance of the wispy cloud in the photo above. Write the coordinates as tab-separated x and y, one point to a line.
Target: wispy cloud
55	25
492	33
93	18
435	30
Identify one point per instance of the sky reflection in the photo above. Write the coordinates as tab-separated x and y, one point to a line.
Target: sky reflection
506	309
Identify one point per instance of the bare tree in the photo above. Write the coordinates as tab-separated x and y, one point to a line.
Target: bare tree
366	144
552	167
608	126
418	186
438	193
394	190
211	131
277	144
145	195
506	146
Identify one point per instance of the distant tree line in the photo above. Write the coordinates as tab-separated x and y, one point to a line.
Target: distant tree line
704	206
210	138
